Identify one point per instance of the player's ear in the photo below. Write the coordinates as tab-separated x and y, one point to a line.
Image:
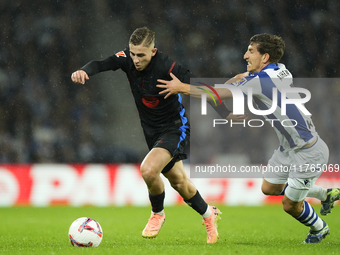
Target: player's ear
265	57
153	52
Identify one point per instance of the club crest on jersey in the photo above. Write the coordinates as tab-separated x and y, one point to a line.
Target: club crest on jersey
150	102
240	81
120	54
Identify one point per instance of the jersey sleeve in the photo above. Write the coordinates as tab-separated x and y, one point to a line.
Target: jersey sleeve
252	82
114	62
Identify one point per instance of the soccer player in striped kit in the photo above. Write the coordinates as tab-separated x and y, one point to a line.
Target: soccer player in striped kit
300	144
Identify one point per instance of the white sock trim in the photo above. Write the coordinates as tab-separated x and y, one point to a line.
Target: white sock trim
207	213
317	192
161	212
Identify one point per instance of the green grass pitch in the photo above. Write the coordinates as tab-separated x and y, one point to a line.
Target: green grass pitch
243	230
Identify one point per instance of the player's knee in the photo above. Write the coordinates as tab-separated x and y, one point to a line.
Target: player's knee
264	190
268	191
149	172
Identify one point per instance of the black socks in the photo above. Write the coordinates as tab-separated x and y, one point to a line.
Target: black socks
157	202
197	203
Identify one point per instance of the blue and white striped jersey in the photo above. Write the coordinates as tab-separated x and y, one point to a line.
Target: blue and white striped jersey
295	129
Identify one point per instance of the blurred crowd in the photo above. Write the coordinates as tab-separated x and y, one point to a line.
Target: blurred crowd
46	119
210	37
43	118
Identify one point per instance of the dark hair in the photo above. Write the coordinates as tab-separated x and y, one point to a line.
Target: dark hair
271	44
142	36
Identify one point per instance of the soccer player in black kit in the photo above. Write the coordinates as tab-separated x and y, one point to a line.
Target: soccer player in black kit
164	123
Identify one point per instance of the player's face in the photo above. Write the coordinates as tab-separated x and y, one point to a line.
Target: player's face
141	55
256	61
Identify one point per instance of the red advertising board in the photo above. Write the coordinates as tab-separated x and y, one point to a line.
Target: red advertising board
109	184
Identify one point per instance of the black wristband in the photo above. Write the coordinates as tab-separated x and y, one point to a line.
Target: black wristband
222	110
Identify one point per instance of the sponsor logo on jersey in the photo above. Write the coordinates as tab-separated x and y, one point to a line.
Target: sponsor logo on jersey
150	102
120	54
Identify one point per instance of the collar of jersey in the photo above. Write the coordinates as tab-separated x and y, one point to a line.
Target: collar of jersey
270	66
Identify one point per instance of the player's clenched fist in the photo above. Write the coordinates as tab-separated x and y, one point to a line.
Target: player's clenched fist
79	77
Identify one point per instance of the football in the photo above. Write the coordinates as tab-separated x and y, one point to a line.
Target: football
85	232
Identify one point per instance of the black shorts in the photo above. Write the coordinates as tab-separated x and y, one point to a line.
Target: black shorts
175	139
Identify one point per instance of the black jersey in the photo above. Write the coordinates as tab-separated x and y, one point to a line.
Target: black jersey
155	112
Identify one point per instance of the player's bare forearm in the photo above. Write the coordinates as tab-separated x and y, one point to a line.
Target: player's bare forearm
175	86
237	77
237	118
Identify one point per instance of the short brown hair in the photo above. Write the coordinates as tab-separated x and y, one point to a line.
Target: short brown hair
142	36
271	44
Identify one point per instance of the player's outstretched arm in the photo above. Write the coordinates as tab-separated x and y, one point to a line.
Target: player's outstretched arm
237	77
175	86
237	118
79	77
